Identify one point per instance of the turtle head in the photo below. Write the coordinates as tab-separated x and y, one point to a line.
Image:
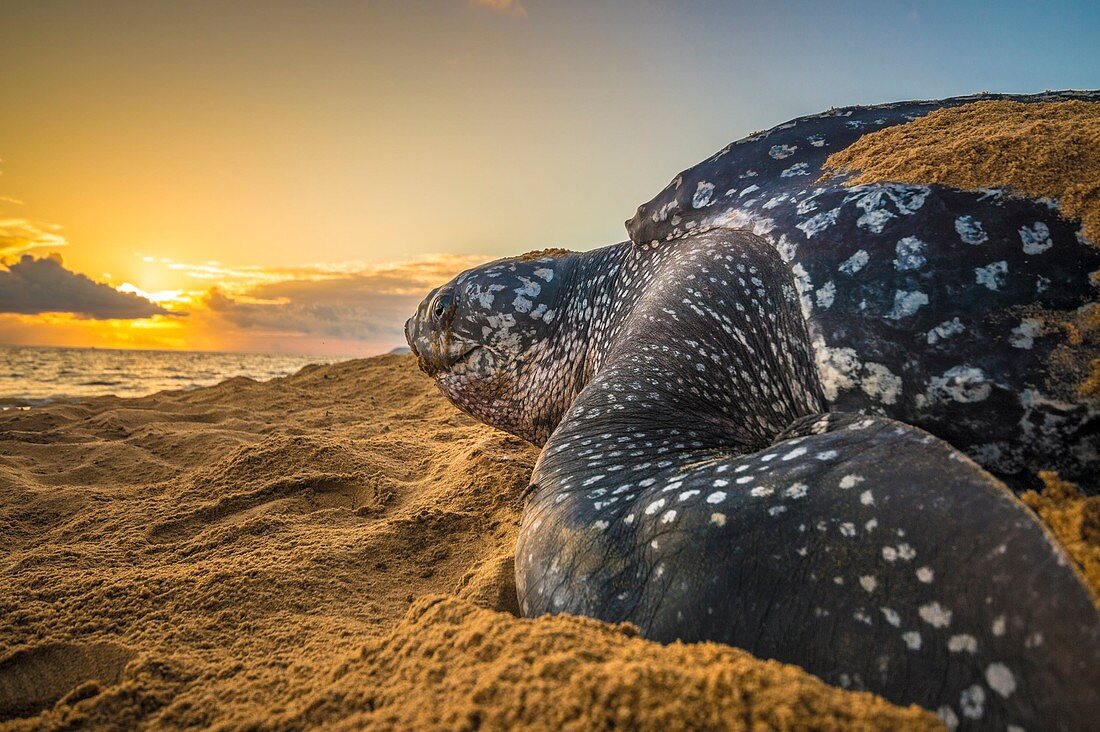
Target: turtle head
486	338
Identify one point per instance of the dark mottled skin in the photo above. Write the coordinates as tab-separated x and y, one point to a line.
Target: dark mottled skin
704	474
769	184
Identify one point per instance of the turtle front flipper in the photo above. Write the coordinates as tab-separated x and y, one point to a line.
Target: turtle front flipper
865	550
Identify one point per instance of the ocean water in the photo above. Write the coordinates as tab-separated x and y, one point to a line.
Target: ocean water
32	376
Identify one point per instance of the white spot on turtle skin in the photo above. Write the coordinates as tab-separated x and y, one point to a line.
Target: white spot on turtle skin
880	383
748	190
906	304
816	140
992	275
654	507
948	717
716	497
962	642
970	230
718	519
795	453
935	615
805	287
848	529
1035	238
825	454
1024	334
945	330
742	480
795	170
873	200
704	194
1000	679
688	494
890	554
782	151
868	582
668	517
600	525
798	490
839	367
544	273
854	263
998	626
891	616
1014	728
871	524
909	254
866	498
972	702
964	384
912	640
776	510
825	295
720	483
851	481
925	574
818	223
762	491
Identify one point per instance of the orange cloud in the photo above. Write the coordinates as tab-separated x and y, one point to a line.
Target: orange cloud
19	235
508	7
361	303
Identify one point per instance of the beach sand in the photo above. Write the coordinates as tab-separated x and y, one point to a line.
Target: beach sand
333	548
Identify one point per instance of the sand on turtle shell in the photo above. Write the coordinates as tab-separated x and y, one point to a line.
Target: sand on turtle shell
1041	150
334	549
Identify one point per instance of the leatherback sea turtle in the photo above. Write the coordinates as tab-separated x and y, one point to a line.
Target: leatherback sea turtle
780	416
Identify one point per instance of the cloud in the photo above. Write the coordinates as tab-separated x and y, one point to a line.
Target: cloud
508	7
371	303
31	286
19	235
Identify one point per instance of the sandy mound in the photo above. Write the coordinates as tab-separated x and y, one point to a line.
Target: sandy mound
1042	150
247	555
572	673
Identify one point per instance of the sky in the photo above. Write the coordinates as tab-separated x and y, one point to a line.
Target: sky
282	176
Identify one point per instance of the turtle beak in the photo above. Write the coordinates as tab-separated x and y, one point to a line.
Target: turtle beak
428	332
409	338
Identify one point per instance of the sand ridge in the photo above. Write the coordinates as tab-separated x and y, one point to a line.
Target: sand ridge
333	548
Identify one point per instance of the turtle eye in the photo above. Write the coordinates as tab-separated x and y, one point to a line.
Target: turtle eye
442	305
